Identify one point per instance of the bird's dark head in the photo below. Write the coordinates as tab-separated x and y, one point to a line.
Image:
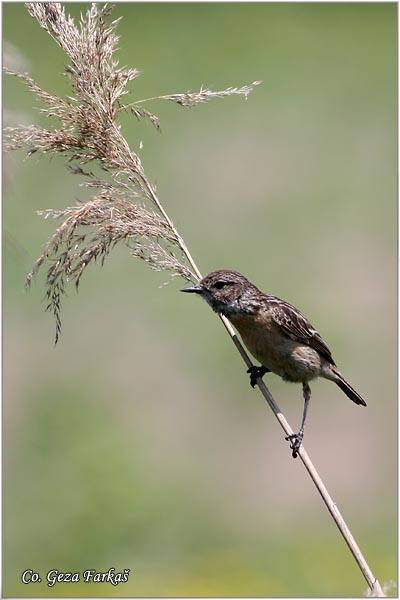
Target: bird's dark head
227	292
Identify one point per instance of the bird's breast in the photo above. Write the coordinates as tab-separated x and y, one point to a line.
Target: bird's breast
286	357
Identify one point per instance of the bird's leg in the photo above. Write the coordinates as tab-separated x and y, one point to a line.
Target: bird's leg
296	438
256	372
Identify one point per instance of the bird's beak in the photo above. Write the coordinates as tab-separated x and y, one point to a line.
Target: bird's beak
193	289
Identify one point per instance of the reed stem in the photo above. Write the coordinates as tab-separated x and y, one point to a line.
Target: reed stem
371	580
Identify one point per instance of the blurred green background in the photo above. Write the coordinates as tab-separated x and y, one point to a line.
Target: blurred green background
137	442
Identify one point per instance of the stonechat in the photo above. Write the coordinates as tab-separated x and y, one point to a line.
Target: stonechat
276	334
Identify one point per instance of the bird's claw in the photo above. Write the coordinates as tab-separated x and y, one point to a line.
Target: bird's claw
256	372
296	439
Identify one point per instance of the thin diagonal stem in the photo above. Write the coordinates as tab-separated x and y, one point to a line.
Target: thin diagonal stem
371	580
182	244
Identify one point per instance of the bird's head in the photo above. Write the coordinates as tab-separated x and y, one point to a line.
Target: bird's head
227	292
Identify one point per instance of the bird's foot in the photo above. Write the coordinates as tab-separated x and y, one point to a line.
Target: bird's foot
255	373
296	439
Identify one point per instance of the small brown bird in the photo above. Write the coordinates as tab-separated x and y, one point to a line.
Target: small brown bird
276	334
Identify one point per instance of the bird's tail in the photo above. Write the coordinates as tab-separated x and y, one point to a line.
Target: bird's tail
347	389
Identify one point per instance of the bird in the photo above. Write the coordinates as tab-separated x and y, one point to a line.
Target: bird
276	334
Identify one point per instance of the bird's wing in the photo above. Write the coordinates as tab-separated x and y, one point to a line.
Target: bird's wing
297	327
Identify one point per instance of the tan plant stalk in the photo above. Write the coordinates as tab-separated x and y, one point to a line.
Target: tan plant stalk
125	207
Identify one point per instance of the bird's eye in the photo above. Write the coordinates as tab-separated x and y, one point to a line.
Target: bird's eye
220	284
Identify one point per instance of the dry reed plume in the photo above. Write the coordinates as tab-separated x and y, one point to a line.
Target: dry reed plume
125	207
